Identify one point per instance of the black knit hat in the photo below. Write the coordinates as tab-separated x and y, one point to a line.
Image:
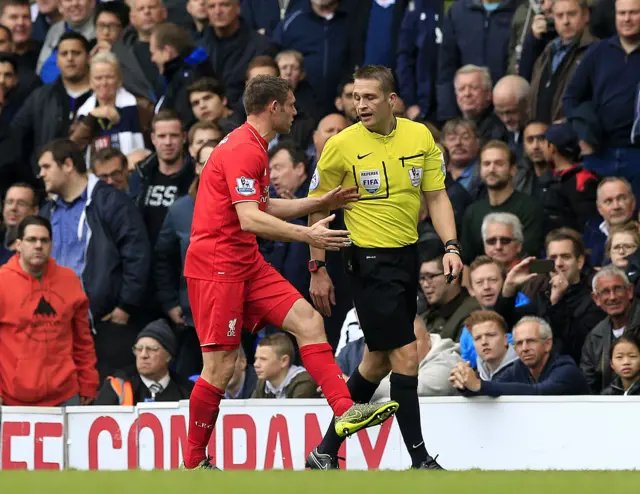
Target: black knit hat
160	331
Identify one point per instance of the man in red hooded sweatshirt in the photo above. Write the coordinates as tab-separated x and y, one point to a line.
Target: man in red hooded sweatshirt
47	357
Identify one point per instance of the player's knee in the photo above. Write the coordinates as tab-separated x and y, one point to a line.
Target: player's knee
306	324
405	360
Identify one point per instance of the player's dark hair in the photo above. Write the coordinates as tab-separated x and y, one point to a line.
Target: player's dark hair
281	344
164	116
168	34
378	73
206	85
72	35
262	90
64	149
10	58
560	234
33	220
107	154
295	153
480	316
262	61
501	145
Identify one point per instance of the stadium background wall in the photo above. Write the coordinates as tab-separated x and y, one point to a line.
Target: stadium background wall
514	433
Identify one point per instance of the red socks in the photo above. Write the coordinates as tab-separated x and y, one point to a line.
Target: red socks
320	364
204	406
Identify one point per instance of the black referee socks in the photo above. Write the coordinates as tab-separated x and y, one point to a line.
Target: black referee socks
361	392
404	390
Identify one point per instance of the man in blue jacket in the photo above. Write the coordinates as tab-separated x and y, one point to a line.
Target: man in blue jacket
538	372
99	233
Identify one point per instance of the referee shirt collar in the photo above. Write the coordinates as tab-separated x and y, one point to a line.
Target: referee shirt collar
380	136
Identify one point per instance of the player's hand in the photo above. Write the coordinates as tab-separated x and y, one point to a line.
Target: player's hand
322	291
176	315
117	316
539	26
452	265
323	238
517	277
85	400
339	198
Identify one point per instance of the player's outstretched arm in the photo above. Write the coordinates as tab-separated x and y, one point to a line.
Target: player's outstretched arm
288	209
267	226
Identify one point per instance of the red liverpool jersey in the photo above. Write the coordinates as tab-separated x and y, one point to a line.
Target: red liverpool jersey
236	171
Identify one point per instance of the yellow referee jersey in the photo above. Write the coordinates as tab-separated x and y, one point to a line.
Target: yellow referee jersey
390	172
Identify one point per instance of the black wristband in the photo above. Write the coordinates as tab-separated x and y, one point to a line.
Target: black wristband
452	243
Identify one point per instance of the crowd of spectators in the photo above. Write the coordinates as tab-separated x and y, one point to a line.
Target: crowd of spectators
110	109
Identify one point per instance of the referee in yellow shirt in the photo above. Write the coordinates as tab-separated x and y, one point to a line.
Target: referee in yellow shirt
393	162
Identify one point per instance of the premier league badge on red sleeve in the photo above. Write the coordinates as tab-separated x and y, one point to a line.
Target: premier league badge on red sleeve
245	186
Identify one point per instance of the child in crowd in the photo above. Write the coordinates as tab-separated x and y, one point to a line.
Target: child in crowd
625	362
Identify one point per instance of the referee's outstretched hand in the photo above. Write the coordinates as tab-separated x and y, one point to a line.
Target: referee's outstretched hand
322	237
339	198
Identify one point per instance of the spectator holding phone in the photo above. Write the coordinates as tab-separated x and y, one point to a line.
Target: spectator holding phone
563	298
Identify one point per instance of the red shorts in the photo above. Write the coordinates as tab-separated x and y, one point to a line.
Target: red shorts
221	309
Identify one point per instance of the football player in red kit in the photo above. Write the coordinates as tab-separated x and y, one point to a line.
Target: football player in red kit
231	286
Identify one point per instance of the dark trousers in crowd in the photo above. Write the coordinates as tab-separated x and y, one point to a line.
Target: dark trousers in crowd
617	162
114	347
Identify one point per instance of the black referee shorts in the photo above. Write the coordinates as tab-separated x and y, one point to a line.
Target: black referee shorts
384	284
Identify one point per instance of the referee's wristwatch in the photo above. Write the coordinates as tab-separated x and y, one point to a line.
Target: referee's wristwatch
453	246
314	266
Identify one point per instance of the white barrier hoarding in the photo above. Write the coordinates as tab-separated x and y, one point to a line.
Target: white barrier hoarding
504	434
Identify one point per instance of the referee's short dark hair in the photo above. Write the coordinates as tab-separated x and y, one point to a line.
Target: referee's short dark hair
295	153
378	73
263	90
496	144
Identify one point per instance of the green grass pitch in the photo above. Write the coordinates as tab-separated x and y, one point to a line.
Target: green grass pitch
285	482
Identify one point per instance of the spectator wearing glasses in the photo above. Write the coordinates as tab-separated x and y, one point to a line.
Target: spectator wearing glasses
110	165
152	380
449	304
111	19
616	204
47	356
538	371
463	145
497	169
168	266
613	293
622	250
